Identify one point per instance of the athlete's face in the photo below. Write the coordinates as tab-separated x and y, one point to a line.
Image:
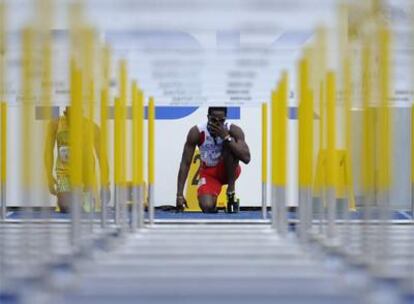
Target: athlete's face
217	118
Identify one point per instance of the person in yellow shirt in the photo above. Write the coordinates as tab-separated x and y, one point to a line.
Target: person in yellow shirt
59	181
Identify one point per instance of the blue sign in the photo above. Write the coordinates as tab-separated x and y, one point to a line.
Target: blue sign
178	112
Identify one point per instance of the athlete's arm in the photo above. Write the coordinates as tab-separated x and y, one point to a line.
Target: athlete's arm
188	152
238	145
49	154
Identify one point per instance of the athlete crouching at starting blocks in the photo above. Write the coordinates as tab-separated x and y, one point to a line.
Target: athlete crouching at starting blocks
222	146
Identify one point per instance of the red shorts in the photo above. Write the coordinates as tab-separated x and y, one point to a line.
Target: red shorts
213	178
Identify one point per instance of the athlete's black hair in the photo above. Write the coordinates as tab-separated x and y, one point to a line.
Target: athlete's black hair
221	109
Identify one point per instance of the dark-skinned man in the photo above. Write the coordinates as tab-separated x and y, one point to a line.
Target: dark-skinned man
222	146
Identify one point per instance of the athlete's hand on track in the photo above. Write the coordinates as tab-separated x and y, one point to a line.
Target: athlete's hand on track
181	203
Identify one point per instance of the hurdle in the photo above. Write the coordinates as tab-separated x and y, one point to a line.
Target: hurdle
138	158
151	159
3	110
331	259
104	177
264	159
76	142
305	145
279	146
331	155
3	162
120	149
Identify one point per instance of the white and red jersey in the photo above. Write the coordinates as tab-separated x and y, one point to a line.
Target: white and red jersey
210	148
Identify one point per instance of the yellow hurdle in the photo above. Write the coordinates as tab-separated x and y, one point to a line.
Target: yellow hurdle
117	143
76	129
103	153
106	60
412	158
412	121
320	70
367	145
278	153
346	75
88	54
103	149
274	146
331	153
384	142
305	146
320	177
281	158
321	115
384	124
132	187
151	131
303	85
117	157
347	101
120	146
331	128
76	151
78	90
122	121
264	159
347	63
140	138
273	151
27	102
88	141
151	157
308	146
347	83
319	97
412	148
3	109
134	97
281	132
88	67
138	155
103	142
320	66
3	151
264	142
106	66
